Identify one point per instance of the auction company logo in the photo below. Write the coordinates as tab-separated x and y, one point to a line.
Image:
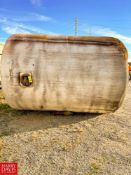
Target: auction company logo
8	168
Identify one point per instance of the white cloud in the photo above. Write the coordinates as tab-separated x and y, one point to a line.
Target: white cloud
108	32
41	17
33	17
12	27
13	24
36	2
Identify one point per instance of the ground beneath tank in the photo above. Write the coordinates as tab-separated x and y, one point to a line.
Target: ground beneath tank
46	143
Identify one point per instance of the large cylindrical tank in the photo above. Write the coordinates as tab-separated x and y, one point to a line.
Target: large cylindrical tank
81	74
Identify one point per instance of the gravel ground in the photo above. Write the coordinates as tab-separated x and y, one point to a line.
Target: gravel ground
47	143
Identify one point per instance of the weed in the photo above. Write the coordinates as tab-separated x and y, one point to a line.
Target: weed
94	169
4	107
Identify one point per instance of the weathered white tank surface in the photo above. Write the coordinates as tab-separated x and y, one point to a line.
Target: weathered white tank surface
81	74
1	48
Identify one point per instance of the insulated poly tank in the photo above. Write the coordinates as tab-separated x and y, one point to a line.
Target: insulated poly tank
64	73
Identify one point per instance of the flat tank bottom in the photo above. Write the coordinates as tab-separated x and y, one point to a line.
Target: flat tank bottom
68	75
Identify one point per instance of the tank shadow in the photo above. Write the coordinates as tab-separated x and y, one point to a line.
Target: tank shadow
13	121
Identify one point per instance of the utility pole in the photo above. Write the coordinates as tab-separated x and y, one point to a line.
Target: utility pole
76	26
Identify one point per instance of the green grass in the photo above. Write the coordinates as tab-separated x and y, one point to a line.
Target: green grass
94	169
4	107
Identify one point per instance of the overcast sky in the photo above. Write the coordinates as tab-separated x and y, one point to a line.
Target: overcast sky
95	17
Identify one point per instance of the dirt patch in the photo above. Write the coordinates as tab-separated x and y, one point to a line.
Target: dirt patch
77	144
